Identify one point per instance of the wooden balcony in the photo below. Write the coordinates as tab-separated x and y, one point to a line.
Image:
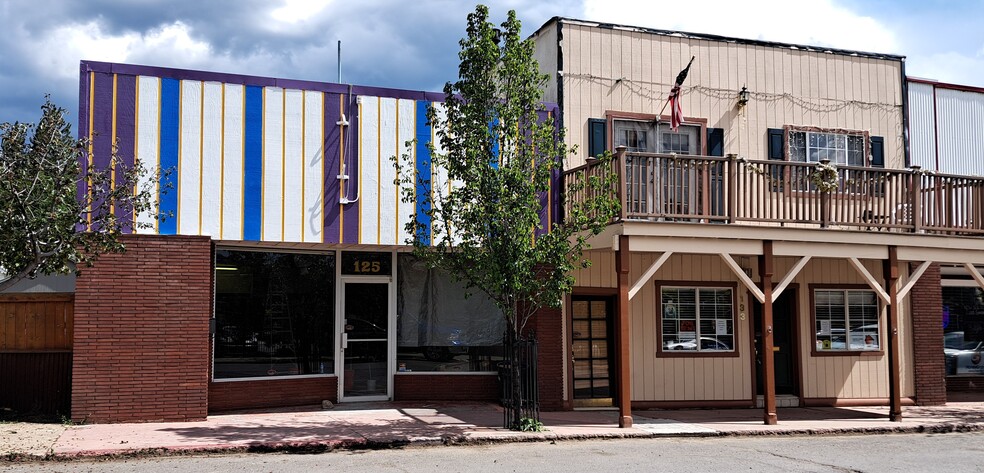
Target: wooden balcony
732	190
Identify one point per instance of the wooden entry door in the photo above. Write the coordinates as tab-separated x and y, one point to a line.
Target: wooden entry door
592	350
784	348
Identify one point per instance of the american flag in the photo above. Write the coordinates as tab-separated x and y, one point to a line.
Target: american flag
676	109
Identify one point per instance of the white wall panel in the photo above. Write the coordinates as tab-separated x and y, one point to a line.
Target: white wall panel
189	159
293	165
232	164
273	161
407	131
388	198
960	120
369	138
314	182
922	126
148	142
211	159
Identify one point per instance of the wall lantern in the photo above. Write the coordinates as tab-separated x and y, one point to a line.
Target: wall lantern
743	96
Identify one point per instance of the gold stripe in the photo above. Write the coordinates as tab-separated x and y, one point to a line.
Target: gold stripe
157	181
341	169
177	221
379	168
303	156
92	100
112	153
136	143
283	161
242	162
359	194
201	153
396	221
222	168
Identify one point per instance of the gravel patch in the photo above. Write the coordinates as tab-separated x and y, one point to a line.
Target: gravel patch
28	439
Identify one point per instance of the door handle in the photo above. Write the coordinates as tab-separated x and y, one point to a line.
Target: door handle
344	341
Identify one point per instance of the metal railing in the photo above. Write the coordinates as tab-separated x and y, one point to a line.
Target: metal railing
709	189
524	402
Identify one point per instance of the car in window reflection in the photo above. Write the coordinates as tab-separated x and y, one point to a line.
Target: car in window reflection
962	356
706	343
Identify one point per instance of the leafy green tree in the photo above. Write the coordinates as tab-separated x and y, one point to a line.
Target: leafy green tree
498	156
48	226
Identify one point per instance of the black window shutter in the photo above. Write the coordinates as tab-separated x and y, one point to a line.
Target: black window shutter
597	135
775	144
877	152
715	141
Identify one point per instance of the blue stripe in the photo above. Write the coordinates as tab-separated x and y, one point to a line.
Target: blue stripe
170	122
423	174
253	164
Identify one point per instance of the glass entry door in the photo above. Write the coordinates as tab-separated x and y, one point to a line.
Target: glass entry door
591	334
365	341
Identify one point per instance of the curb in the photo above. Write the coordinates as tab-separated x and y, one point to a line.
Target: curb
325	446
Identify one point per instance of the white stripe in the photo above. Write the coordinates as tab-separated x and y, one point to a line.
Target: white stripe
232	199
272	163
293	163
387	172
148	146
368	179
189	192
408	164
439	176
313	166
212	160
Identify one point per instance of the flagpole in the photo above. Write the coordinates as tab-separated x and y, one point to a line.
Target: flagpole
678	84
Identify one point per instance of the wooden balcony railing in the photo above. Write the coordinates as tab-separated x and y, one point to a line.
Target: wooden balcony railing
707	189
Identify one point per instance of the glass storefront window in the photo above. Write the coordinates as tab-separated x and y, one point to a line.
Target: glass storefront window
963	330
274	314
439	328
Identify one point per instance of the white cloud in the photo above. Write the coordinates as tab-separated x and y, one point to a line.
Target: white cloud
819	22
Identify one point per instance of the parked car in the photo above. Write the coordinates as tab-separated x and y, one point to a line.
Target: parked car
962	357
706	343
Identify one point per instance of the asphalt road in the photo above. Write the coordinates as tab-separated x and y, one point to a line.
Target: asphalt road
873	453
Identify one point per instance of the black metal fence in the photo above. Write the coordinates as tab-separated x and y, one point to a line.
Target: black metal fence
524	404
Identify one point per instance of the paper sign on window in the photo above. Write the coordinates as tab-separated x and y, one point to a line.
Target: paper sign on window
721	327
824	327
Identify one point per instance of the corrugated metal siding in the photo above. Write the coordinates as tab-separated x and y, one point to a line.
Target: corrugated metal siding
36	383
960	118
922	126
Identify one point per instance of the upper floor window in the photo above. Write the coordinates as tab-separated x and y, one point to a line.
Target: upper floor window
842	149
649	137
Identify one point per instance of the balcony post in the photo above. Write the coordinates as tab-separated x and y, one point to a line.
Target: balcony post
890	267
619	166
824	202
732	188
915	200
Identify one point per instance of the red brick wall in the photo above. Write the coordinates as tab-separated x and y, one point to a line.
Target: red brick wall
926	300
550	351
142	332
261	393
438	387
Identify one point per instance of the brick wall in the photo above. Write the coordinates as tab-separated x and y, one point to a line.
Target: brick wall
142	332
549	328
261	393
438	387
926	300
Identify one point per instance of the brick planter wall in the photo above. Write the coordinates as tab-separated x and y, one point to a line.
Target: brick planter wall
262	393
451	387
142	332
926	300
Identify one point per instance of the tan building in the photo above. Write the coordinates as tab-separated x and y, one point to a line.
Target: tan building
768	249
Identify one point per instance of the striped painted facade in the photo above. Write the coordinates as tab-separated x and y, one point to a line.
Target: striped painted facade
262	159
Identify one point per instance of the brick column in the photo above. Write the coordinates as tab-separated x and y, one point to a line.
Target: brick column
550	358
141	349
926	302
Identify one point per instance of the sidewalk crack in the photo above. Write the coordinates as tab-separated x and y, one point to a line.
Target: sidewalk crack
812	462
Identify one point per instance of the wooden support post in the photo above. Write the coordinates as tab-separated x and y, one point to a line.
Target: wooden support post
732	188
622	352
768	357
891	270
915	199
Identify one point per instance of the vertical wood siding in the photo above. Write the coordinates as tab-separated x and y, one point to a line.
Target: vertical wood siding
630	71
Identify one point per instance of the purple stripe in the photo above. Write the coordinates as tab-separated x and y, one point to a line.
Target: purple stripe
185	74
102	125
126	112
330	146
351	154
83	128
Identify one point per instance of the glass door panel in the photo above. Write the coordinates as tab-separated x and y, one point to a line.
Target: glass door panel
365	340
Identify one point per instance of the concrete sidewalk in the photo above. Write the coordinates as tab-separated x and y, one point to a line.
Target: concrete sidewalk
382	425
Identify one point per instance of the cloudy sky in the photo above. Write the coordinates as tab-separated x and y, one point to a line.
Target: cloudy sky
413	44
